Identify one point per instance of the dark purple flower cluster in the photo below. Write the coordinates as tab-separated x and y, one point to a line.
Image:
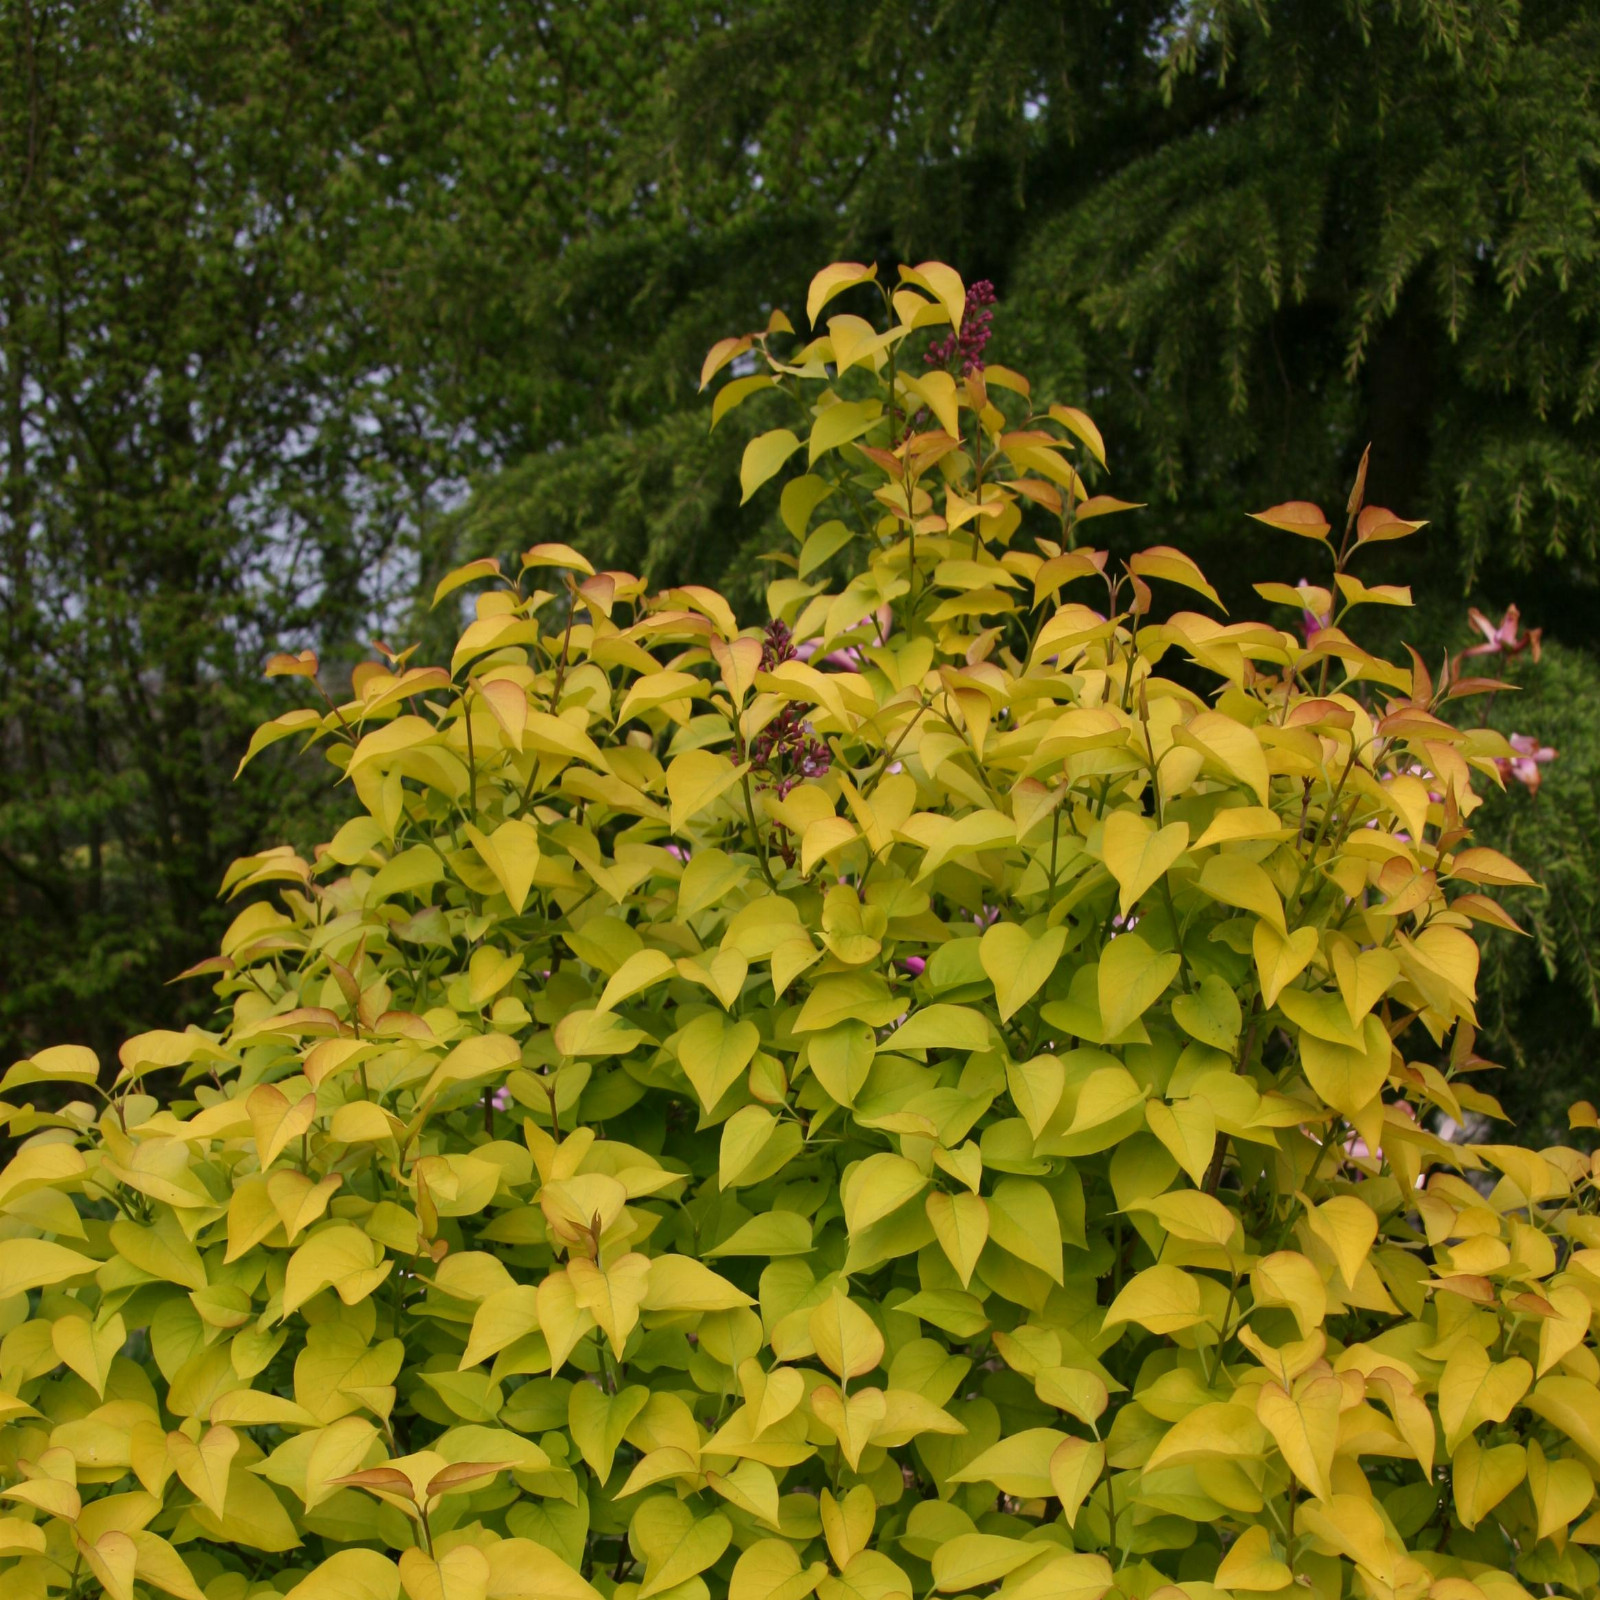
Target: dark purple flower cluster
968	345
786	750
778	645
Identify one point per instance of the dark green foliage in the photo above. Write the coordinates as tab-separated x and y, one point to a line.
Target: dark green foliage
1541	996
278	283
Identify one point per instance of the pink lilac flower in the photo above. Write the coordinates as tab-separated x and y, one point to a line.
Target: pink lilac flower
915	965
1524	765
501	1099
1505	636
968	345
846	660
1311	623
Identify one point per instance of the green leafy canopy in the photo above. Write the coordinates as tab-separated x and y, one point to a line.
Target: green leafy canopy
938	1093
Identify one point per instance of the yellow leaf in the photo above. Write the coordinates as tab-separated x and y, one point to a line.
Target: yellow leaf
276	1120
1162	561
770	1570
203	1468
339	1449
847	1339
1410	1412
1210	1014
1235	880
342	1257
877	1186
1474	1389
847	1524
598	1420
511	853
112	1558
851	1420
1287	1278
351	1574
680	1283
1018	962
35	1263
695	780
736	392
1132	978
1164	1299
19	1537
1023	1221
1211	1432
1561	1334
1351	1523
713	1051
1136	854
763	456
1083	427
500	1320
60	1063
1251	1565
611	1295
961	1225
975	1560
832	280
1363	977
943	1027
1348	1227
642	970
1188	1128
1346	1079
1280	960
1481	1478
1230	747
1075	1468
943	283
521	1569
459	1574
1186	1214
1070	1577
1305	1427
302	720
839	423
1018	1465
89	1349
1295	516
1561	1489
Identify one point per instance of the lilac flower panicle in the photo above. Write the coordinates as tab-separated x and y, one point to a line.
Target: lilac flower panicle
778	646
786	751
968	345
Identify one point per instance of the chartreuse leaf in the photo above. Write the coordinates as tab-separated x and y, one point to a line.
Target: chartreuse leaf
847	1340
1137	853
1018	1465
1131	979
726	1066
961	1225
1018	962
762	458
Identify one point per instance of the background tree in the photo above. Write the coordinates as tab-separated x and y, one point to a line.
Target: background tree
279	283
